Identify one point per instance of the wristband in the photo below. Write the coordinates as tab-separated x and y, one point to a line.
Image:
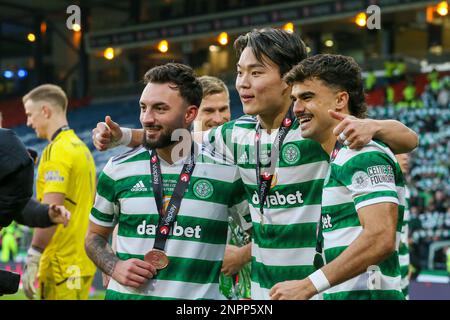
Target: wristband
319	280
126	136
124	140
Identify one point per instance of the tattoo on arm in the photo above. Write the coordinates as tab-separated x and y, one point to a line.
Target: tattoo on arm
101	253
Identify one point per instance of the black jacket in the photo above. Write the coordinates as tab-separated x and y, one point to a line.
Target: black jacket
16	185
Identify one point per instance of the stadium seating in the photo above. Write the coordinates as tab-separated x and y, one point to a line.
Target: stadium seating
83	120
429	172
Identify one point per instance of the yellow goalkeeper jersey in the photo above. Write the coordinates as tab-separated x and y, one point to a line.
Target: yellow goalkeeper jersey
66	166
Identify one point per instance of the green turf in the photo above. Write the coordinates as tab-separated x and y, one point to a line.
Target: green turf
20	295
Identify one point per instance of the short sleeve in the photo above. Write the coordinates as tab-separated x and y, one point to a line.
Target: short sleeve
105	210
56	170
370	177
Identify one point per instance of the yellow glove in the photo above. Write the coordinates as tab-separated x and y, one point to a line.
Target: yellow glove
30	272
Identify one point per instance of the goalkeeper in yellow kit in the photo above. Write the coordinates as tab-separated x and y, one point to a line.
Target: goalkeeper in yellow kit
66	176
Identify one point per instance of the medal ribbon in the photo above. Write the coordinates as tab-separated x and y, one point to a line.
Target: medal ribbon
264	180
167	218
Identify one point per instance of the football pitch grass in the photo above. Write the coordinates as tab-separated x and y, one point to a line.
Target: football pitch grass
20	295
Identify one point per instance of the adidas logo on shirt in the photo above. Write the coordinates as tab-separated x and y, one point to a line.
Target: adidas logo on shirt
139	187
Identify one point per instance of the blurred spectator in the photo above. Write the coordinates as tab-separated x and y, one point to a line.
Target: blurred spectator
448	260
400	69
443	98
371	80
409	95
433	79
389	67
389	95
414	252
440	201
429	175
9	236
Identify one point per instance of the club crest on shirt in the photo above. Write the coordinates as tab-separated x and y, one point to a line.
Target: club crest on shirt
290	153
360	180
203	189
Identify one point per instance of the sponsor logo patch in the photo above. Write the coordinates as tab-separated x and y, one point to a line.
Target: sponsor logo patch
149	229
53	176
139	187
279	199
381	174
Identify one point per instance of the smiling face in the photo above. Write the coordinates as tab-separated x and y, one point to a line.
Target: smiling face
162	111
312	100
260	85
214	110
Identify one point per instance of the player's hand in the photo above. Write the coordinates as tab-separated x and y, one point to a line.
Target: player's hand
133	272
106	135
30	272
351	131
232	260
59	214
293	290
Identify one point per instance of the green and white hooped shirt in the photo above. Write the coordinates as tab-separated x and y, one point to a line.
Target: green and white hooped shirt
286	248
196	244
357	179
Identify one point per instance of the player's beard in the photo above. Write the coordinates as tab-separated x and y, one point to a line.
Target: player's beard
164	140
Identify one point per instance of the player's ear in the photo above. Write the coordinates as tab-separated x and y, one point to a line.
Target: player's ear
287	88
342	100
191	113
46	111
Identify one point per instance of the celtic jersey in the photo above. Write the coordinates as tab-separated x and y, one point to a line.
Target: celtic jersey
283	249
197	240
404	247
358	179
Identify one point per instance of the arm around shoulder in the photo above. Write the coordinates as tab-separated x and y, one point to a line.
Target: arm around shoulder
399	137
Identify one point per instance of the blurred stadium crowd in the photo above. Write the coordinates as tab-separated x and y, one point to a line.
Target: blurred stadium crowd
427	113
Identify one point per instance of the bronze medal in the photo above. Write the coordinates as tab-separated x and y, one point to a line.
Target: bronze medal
157	258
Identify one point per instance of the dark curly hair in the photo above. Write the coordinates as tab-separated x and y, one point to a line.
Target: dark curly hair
335	71
182	76
281	47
